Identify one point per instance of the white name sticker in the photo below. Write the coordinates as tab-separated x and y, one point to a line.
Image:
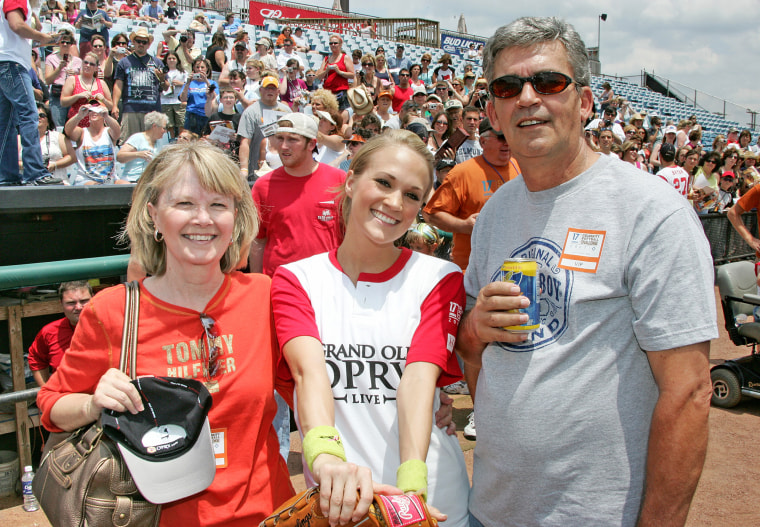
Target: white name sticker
582	250
219	441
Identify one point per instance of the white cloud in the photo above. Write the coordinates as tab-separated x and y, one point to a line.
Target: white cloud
708	46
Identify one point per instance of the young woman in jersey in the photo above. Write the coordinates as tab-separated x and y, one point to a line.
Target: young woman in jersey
367	331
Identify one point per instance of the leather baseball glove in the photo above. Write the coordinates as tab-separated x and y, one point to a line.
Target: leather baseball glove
385	511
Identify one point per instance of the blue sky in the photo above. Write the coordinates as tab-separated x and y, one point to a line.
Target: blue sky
694	43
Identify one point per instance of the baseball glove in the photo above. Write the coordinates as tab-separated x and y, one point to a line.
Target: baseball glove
385	511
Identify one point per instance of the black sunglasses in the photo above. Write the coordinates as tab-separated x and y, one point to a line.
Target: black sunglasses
210	347
42	116
545	83
141	41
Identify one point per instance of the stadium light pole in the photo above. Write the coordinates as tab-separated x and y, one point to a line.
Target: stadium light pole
602	18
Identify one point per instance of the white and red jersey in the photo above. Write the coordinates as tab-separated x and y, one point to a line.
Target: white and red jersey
678	178
369	332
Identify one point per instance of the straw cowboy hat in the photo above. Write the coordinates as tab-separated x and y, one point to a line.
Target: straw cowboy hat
141	32
360	101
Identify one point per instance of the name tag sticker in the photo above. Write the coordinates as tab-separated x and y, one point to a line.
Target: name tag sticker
582	250
219	441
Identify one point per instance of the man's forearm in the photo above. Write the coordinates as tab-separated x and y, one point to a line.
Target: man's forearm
468	345
734	216
676	455
244	152
449	223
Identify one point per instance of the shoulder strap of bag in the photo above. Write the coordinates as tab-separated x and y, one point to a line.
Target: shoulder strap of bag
128	359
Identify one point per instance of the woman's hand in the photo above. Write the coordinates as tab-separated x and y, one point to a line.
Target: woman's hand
345	489
116	392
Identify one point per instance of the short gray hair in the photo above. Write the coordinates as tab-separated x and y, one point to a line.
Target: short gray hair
155	118
530	31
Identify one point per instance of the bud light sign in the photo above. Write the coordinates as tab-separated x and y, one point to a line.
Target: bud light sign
459	44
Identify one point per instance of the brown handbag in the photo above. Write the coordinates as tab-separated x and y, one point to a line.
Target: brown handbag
82	479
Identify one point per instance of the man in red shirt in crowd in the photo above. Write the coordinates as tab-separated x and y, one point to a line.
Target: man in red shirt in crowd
403	91
53	340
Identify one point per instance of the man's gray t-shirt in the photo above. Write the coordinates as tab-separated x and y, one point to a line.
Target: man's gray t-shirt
467	150
251	122
563	419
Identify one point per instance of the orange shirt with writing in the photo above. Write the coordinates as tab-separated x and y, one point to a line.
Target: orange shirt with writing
463	193
251	478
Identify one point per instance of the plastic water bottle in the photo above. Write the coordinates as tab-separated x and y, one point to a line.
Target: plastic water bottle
30	502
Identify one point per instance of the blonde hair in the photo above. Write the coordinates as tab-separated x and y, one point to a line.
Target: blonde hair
392	139
216	173
328	99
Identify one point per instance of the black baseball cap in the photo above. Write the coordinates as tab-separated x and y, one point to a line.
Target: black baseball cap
667	152
167	447
445	163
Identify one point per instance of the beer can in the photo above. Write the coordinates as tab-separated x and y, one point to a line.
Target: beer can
523	272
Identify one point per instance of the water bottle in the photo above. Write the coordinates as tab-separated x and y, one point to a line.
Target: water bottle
30	502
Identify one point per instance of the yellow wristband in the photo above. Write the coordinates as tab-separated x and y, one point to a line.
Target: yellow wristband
322	440
411	476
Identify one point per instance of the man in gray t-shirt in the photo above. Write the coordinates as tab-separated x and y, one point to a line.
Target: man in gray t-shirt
263	112
599	417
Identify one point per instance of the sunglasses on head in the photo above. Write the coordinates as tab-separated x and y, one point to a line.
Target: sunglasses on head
210	348
545	83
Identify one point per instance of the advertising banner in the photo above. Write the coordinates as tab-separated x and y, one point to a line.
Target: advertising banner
456	44
258	11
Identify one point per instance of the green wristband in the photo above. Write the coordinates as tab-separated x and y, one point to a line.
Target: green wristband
411	476
322	440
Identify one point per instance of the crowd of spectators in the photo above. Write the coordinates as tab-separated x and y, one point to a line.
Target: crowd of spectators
711	176
233	92
90	75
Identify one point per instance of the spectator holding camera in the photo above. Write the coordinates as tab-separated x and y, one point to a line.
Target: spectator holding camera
185	47
195	93
85	88
95	151
366	76
291	87
59	66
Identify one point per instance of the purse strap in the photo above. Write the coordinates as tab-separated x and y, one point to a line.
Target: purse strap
128	359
